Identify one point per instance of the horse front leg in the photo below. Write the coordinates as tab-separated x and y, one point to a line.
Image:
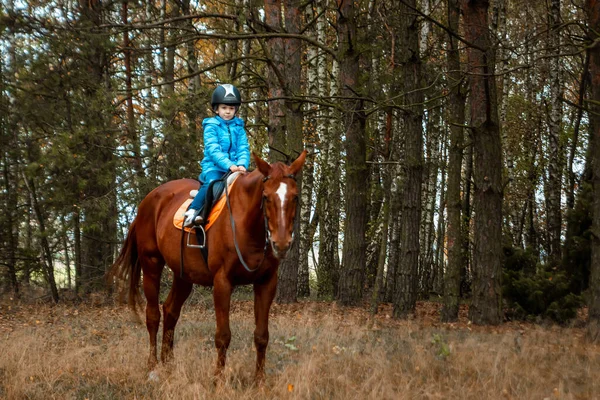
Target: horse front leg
264	293
222	299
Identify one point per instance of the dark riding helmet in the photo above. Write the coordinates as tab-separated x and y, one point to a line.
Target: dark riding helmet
226	94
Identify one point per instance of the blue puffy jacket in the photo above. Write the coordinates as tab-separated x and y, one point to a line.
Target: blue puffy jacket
225	144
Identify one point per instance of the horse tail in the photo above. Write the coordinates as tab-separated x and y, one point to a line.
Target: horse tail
127	268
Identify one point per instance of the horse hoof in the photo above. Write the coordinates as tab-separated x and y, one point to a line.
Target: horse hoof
259	380
153	376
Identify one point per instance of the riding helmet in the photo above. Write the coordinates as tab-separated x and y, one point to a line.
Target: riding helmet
226	94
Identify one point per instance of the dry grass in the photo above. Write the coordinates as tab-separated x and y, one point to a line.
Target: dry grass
89	352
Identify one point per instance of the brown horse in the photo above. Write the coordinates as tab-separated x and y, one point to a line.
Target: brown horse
263	204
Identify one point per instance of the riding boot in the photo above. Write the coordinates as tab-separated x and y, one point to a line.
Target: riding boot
192	216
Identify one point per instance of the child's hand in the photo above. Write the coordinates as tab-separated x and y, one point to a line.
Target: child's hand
235	168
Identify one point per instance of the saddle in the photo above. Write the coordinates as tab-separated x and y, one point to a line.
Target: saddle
214	204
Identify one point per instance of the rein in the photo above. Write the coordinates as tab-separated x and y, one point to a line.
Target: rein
235	243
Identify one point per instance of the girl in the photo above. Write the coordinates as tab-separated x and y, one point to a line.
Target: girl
226	145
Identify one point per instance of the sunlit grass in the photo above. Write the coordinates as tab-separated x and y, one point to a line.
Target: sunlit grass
317	351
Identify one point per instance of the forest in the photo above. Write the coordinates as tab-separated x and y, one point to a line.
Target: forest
453	150
410	139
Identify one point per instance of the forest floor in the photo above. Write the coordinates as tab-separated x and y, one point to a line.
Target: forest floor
318	350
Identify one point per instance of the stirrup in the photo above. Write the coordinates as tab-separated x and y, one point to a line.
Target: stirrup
196	246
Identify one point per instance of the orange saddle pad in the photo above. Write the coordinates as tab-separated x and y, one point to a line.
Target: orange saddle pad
212	217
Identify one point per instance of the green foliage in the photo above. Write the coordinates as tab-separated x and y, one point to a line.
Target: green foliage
440	347
530	291
289	343
577	251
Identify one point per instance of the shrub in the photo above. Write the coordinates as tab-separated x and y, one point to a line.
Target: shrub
530	291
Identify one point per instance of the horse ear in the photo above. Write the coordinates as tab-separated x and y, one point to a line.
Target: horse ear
298	163
262	165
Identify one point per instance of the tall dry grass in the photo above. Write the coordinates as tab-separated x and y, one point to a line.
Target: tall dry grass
317	351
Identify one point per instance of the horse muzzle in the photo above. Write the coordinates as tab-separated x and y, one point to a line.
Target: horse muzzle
281	249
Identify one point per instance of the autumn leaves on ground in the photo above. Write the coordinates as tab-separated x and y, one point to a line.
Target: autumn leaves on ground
317	351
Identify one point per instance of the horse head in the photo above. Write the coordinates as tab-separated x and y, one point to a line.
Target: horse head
279	201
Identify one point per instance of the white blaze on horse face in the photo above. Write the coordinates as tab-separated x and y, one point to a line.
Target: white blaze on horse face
281	192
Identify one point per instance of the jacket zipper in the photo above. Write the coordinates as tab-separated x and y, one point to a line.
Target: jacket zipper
230	141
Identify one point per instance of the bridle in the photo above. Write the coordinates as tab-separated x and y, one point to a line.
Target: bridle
266	220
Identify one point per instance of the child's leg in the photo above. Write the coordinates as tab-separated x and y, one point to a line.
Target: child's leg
198	201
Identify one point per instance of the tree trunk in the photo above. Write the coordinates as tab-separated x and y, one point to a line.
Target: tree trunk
394	233
178	148
65	241
287	289
48	268
99	205
10	203
148	103
503	81
375	224
195	104
28	267
310	138
486	306
430	186
246	45
351	281
531	142
77	250
377	288
466	270
456	117
275	54
376	129
572	150
405	298
132	134
8	133
396	188
439	256
425	27
593	13
555	156
329	186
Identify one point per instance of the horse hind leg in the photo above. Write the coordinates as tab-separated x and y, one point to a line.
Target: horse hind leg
179	293
152	268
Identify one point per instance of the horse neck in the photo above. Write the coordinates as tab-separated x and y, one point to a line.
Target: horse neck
248	196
